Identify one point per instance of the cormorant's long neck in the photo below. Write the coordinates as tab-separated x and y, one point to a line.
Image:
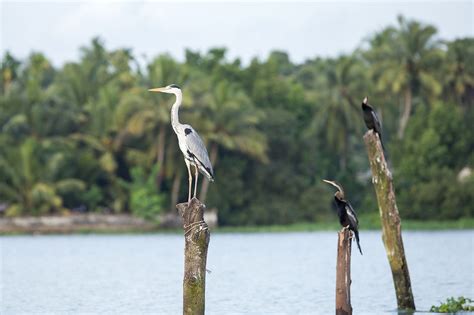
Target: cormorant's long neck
341	209
366	107
174	110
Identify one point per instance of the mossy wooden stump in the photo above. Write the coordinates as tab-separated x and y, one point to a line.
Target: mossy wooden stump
343	273
391	226
196	235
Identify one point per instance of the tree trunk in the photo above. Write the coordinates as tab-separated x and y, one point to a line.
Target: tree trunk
343	273
160	156
344	155
196	235
119	140
391	226
205	182
406	113
350	100
175	187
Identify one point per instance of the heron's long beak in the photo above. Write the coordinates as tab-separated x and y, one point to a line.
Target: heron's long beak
161	89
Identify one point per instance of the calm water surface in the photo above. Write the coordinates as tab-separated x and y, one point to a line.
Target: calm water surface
280	273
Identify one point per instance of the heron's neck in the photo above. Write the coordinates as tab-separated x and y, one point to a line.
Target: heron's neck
174	110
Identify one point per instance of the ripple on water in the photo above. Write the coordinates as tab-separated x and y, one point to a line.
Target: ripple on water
282	273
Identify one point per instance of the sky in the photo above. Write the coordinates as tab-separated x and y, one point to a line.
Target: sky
248	29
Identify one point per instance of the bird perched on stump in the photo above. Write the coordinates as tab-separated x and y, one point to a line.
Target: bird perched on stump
371	119
190	143
345	212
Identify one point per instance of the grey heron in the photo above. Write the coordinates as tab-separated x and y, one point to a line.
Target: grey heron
345	212
190	143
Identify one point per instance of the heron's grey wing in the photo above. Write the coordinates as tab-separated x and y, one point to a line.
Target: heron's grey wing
198	150
351	213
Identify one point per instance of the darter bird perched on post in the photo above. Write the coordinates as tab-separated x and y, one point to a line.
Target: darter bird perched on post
345	212
371	119
190	143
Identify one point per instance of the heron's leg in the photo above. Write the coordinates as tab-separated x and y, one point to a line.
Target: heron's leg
196	171
190	179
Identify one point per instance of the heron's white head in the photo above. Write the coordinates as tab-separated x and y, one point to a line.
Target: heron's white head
171	89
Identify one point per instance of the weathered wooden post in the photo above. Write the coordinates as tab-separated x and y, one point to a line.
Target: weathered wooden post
196	235
343	273
391	228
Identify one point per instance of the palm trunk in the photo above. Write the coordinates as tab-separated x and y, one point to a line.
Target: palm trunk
160	157
175	187
344	156
406	113
350	100
119	140
205	183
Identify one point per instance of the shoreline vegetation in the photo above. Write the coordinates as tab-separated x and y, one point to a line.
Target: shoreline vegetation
88	137
369	224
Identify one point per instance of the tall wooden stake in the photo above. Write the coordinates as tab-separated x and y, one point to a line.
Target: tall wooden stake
391	228
343	273
196	235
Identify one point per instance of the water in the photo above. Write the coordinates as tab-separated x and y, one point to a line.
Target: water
286	273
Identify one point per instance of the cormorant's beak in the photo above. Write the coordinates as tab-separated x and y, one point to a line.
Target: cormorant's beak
161	89
366	99
330	182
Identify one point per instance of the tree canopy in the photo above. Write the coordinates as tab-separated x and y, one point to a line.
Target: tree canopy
87	136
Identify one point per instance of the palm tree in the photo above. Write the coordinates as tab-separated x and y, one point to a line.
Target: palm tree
9	72
459	71
31	179
38	75
104	87
227	119
337	115
81	83
403	60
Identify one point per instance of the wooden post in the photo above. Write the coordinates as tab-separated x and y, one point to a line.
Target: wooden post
343	273
391	227
196	235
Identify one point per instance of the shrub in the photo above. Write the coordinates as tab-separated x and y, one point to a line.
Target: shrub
453	305
144	200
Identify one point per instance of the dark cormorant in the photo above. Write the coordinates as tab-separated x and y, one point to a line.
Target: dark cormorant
345	212
371	119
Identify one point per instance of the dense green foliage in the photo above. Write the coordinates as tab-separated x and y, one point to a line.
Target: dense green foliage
89	137
453	305
144	201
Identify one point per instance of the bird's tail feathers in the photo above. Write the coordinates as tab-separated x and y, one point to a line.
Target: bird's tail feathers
208	172
381	142
383	146
356	233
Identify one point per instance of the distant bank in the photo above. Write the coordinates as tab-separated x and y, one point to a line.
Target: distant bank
92	223
100	223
